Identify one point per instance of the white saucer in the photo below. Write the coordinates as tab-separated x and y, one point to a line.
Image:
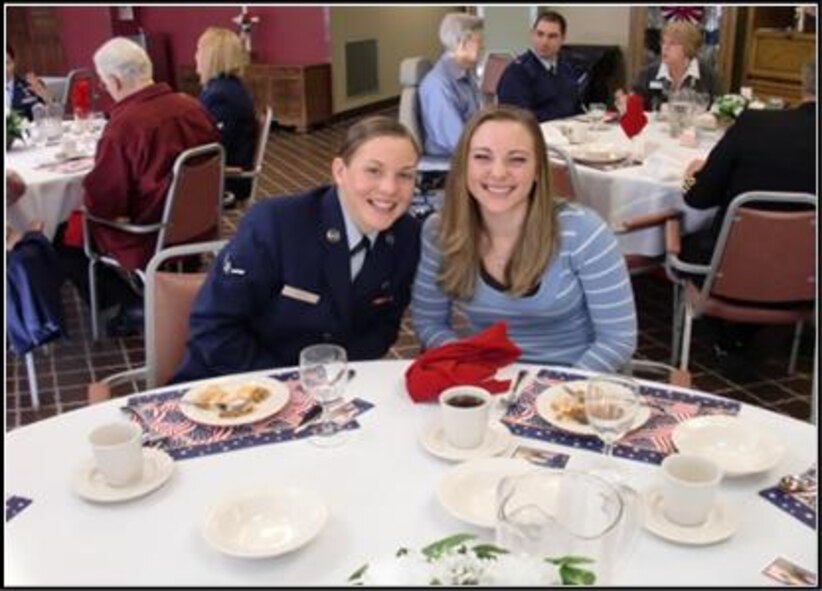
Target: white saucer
738	445
721	524
89	483
469	491
262	521
497	440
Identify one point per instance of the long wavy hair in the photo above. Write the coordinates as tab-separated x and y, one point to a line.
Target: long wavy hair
461	225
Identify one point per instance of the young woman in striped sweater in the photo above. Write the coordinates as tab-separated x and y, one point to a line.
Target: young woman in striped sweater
502	249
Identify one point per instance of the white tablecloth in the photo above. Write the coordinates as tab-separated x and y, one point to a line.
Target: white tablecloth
50	196
379	489
656	185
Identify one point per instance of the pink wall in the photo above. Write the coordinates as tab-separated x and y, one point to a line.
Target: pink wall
84	30
284	35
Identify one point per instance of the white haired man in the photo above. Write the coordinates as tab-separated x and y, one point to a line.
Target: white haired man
449	93
150	126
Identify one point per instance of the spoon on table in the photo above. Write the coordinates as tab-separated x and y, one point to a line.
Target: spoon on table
792	483
510	399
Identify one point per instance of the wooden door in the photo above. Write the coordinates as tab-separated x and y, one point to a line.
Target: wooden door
34	35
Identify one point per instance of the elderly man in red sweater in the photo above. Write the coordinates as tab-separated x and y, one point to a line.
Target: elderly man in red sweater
150	126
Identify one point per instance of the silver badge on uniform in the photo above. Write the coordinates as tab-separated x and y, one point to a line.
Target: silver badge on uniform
332	235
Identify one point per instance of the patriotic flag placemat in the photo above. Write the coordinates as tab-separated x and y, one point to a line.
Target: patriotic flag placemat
160	416
650	443
15	504
801	505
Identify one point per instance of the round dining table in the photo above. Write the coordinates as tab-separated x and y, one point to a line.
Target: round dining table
379	489
54	186
649	181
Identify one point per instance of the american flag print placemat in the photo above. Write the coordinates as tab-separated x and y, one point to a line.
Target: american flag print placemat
650	443
799	504
160	416
14	505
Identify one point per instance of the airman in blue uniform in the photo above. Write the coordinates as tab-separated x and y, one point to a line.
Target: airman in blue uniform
540	80
295	275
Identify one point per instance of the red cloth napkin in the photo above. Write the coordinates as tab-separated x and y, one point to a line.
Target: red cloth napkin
80	97
472	361
634	119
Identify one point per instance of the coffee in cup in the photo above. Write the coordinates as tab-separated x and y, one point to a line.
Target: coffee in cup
118	451
465	412
689	489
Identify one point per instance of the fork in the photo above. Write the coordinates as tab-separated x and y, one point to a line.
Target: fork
221	406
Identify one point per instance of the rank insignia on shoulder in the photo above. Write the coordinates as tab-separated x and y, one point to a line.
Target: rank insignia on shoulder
229	269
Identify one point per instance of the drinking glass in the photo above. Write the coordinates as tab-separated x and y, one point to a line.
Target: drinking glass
596	111
323	375
611	406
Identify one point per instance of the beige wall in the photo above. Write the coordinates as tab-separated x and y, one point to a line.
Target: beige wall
599	25
400	31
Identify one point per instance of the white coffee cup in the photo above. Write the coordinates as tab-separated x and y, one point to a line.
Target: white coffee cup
465	412
118	451
689	489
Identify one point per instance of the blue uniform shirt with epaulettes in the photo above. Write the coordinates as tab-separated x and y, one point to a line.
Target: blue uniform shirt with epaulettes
284	282
527	83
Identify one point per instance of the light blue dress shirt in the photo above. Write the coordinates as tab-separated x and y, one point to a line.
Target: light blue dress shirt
449	96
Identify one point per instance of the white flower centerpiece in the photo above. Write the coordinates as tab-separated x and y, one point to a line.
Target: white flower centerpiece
452	561
728	107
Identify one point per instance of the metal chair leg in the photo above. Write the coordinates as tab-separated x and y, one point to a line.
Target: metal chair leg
92	296
686	338
676	328
797	335
32	375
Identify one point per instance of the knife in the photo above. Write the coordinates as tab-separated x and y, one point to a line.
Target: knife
316	410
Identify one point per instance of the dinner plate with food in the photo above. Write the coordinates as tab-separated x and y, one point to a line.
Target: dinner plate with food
225	403
563	406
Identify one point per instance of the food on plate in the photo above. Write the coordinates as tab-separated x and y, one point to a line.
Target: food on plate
209	396
570	406
232	403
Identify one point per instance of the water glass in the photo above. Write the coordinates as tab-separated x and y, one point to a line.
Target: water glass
596	111
611	406
323	375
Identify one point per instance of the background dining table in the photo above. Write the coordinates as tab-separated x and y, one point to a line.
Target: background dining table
629	189
54	186
379	488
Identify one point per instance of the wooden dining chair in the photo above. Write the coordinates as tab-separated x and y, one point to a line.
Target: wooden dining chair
193	211
169	297
495	64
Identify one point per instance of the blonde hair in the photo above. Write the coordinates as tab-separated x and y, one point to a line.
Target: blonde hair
461	226
220	52
686	34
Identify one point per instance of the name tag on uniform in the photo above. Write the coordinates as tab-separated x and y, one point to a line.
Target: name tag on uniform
300	294
379	301
655	85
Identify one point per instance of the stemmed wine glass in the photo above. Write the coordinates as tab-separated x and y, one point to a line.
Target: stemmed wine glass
611	406
323	375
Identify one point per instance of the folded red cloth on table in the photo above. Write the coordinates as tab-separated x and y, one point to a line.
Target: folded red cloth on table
469	362
634	119
80	95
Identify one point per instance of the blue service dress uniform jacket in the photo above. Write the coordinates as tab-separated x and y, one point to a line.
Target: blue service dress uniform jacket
527	84
229	102
284	282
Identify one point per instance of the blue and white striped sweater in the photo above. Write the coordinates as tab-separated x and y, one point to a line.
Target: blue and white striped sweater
582	315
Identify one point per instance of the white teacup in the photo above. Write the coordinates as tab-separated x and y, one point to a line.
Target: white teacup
690	487
118	451
68	147
465	412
